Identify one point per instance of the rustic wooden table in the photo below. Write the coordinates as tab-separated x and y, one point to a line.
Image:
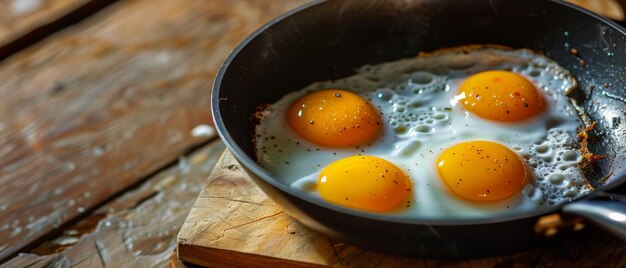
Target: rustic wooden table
105	126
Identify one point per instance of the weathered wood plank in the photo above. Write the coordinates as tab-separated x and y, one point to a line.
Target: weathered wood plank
138	229
26	22
234	224
612	9
95	109
18	17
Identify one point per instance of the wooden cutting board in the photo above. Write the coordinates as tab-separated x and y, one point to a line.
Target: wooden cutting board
234	224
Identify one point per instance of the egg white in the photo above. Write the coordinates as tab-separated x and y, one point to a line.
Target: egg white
417	98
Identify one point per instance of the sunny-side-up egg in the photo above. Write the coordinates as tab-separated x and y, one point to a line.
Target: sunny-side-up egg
460	133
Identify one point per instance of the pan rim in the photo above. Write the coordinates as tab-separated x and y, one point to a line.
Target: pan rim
249	163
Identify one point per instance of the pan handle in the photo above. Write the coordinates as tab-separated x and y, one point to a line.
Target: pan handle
608	213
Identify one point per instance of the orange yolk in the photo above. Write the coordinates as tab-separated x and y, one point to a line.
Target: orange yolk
482	171
364	182
335	118
501	96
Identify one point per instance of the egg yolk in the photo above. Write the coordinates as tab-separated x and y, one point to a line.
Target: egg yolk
501	96
482	171
364	182
335	118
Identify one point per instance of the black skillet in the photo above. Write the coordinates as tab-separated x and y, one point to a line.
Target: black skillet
329	39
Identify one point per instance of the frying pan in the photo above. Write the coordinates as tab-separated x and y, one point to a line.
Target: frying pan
330	39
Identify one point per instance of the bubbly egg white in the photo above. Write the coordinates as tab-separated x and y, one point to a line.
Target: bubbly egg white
418	102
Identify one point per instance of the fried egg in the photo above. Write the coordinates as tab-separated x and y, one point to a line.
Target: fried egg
460	133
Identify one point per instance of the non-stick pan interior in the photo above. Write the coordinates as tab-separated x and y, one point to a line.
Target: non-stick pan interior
329	39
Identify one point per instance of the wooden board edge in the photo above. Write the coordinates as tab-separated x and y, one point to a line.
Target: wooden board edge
186	223
212	257
215	257
175	262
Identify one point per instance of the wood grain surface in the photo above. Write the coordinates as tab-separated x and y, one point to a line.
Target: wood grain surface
138	229
18	17
92	111
613	9
234	224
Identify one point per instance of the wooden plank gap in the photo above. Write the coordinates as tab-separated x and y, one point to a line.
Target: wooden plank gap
46	29
57	232
92	109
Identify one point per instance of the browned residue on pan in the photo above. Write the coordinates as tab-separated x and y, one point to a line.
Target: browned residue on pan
583	136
